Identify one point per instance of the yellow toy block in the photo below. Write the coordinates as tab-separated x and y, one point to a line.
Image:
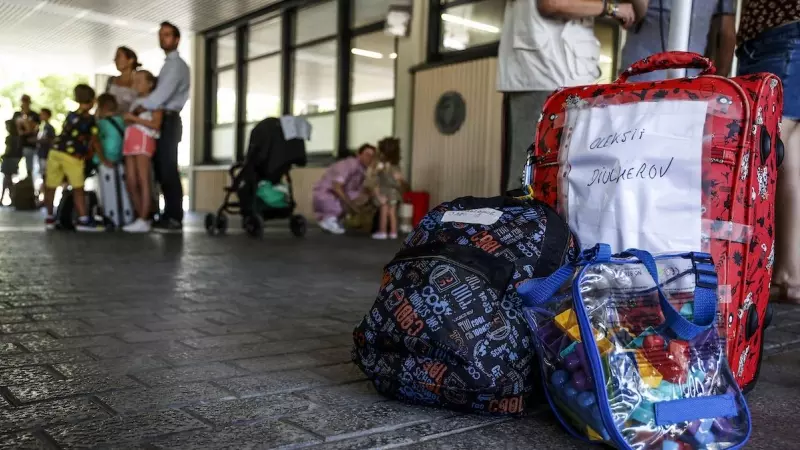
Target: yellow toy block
649	374
567	321
592	435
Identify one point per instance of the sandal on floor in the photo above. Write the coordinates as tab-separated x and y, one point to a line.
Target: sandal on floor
780	293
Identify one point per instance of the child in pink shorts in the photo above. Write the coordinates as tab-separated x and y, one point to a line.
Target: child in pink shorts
138	149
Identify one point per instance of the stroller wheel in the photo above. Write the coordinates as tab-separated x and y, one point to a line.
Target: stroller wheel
210	224
254	225
298	225
221	224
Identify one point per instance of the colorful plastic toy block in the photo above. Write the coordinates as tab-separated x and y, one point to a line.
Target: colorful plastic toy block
672	367
553	339
670	445
649	374
577	364
567	321
581	405
687	311
701	431
638	341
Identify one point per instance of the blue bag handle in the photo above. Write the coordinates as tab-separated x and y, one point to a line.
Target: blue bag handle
540	291
705	295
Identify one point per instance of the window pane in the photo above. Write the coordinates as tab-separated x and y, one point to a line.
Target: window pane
373	57
314	79
226	96
226	50
264	37
471	25
369	126
322	134
366	12
223	143
605	34
263	88
315	22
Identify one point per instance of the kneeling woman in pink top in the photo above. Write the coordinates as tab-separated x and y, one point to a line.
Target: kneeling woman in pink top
138	148
339	187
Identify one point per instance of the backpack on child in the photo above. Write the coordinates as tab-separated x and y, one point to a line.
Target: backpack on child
447	328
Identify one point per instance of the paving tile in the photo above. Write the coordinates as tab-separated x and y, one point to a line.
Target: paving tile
28	359
234	328
183	357
222	341
341	373
339	423
362	393
62	315
122	429
49	413
70	388
278	362
74	342
26	375
140	349
150	336
23	441
249	410
9	348
273	383
116	366
211	371
257	436
8	319
163	397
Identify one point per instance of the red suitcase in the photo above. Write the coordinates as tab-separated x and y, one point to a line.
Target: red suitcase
741	150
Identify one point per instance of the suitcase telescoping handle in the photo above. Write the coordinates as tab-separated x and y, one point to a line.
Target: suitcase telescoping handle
666	61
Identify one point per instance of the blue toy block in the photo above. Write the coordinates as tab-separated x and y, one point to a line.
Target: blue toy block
582	405
703	435
687	311
645	412
670	445
667	391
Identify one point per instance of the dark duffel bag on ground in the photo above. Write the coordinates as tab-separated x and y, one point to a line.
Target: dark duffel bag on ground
447	327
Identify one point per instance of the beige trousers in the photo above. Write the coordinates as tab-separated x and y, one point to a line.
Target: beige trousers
787	213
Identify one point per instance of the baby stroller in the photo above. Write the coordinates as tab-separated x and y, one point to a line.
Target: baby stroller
269	158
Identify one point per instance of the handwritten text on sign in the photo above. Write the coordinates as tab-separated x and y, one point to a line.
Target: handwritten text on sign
634	171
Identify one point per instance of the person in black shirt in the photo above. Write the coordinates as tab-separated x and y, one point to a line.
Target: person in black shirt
11	158
27	121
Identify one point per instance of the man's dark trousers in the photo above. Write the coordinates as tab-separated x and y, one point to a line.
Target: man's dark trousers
166	166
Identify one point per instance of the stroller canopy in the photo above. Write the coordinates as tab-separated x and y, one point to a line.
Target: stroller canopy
270	155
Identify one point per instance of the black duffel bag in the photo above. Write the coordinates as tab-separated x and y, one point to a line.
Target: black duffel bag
447	327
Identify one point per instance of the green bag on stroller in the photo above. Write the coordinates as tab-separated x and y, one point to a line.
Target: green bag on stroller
274	196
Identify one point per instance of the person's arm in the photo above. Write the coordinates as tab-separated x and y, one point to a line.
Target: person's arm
338	189
154	123
581	9
168	81
726	43
640	9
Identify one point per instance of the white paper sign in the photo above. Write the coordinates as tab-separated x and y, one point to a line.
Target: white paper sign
482	216
632	175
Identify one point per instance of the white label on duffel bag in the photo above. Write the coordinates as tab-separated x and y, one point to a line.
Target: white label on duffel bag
482	216
633	175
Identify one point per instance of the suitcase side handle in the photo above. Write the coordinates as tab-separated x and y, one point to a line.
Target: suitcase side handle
668	60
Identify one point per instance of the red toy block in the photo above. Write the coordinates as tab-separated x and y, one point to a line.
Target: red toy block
673	369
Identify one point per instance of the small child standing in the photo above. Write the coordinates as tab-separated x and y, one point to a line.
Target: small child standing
76	144
109	162
387	185
138	148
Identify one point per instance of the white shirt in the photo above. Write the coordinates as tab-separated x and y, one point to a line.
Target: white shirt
147	115
541	54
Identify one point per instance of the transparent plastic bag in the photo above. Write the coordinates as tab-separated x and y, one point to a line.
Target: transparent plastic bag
655	375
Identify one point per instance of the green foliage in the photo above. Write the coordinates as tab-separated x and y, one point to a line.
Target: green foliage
51	91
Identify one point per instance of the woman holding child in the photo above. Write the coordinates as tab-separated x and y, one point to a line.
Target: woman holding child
121	86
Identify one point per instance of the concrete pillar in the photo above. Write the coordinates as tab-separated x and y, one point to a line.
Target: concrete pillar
410	52
680	22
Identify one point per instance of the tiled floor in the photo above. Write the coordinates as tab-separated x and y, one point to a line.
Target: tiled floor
134	342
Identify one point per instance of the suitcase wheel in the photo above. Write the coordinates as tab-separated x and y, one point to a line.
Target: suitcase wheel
779	153
751	327
766	144
768	316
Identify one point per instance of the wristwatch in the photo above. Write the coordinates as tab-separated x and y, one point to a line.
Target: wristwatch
610	8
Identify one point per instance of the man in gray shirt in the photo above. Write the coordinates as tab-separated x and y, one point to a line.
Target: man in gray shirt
650	35
170	96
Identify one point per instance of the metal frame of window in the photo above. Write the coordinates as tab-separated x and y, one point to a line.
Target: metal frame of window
434	55
287	11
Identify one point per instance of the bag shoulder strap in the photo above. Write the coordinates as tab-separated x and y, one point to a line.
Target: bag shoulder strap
116	126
